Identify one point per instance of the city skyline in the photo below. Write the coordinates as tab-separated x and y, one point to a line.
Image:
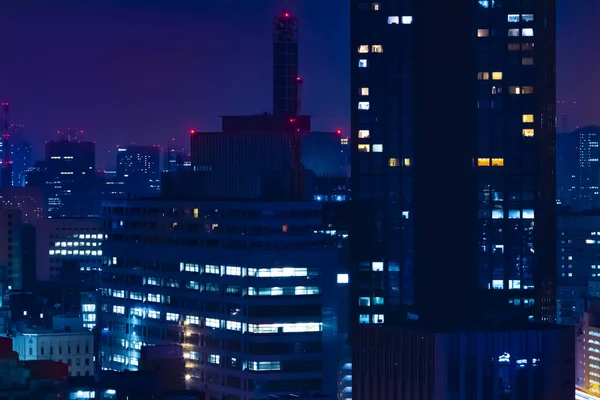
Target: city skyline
153	102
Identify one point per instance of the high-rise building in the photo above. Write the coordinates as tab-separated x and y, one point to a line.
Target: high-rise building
479	134
175	159
578	168
70	178
286	82
138	167
22	159
324	154
254	310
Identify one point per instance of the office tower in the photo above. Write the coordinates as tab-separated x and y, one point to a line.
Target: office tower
11	250
578	168
22	158
323	153
62	241
254	157
248	289
478	133
286	82
30	200
138	167
111	187
70	177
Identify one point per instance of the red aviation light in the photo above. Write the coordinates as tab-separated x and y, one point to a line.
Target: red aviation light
339	131
286	15
192	131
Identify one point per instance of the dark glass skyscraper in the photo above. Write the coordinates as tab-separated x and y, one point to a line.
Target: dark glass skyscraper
453	135
138	167
286	81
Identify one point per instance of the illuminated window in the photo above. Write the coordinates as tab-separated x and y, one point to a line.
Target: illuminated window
483	162
377	148
284	228
527	46
406	162
514	90
393	162
497	76
527	61
364	91
527	32
513	32
362	63
496	89
527	118
528	132
407	19
497	162
513	18
527	17
514	47
377	48
364	134
393	20
527	89
364	148
483	32
364	105
375	6
483	76
363	48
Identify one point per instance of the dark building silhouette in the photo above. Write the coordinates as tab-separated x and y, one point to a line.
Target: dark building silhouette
578	168
138	167
70	178
450	105
22	160
286	82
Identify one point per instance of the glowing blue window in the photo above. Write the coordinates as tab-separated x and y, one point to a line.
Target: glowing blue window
514	214
528	214
362	63
342	278
393	20
364	301
497	284
497	214
363	319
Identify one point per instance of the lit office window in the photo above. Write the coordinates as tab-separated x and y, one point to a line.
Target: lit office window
527	32
527	46
364	134
393	162
514	47
363	48
513	32
497	76
362	63
527	17
364	105
483	32
497	162
407	162
377	266
364	148
407	20
393	20
527	89
514	90
364	91
483	76
377	148
527	61
376	6
377	319
377	48
364	301
513	18
483	162
528	132
527	118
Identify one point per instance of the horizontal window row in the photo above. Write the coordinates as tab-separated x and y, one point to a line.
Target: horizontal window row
484	76
364	48
513	32
519	18
490	162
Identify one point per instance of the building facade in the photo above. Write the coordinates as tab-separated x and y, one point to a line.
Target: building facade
61	241
70	178
248	289
138	167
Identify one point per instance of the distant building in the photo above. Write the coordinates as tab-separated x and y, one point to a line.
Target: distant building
77	241
22	160
588	350
11	250
138	167
30	200
69	344
578	168
174	159
325	153
70	178
111	187
88	309
254	157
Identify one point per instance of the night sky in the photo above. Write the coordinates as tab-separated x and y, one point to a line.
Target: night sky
149	70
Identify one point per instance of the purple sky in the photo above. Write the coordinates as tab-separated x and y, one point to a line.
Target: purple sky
148	70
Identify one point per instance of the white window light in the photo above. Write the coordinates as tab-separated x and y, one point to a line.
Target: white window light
527	32
393	20
377	148
407	19
342	278
364	105
513	18
377	266
362	63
